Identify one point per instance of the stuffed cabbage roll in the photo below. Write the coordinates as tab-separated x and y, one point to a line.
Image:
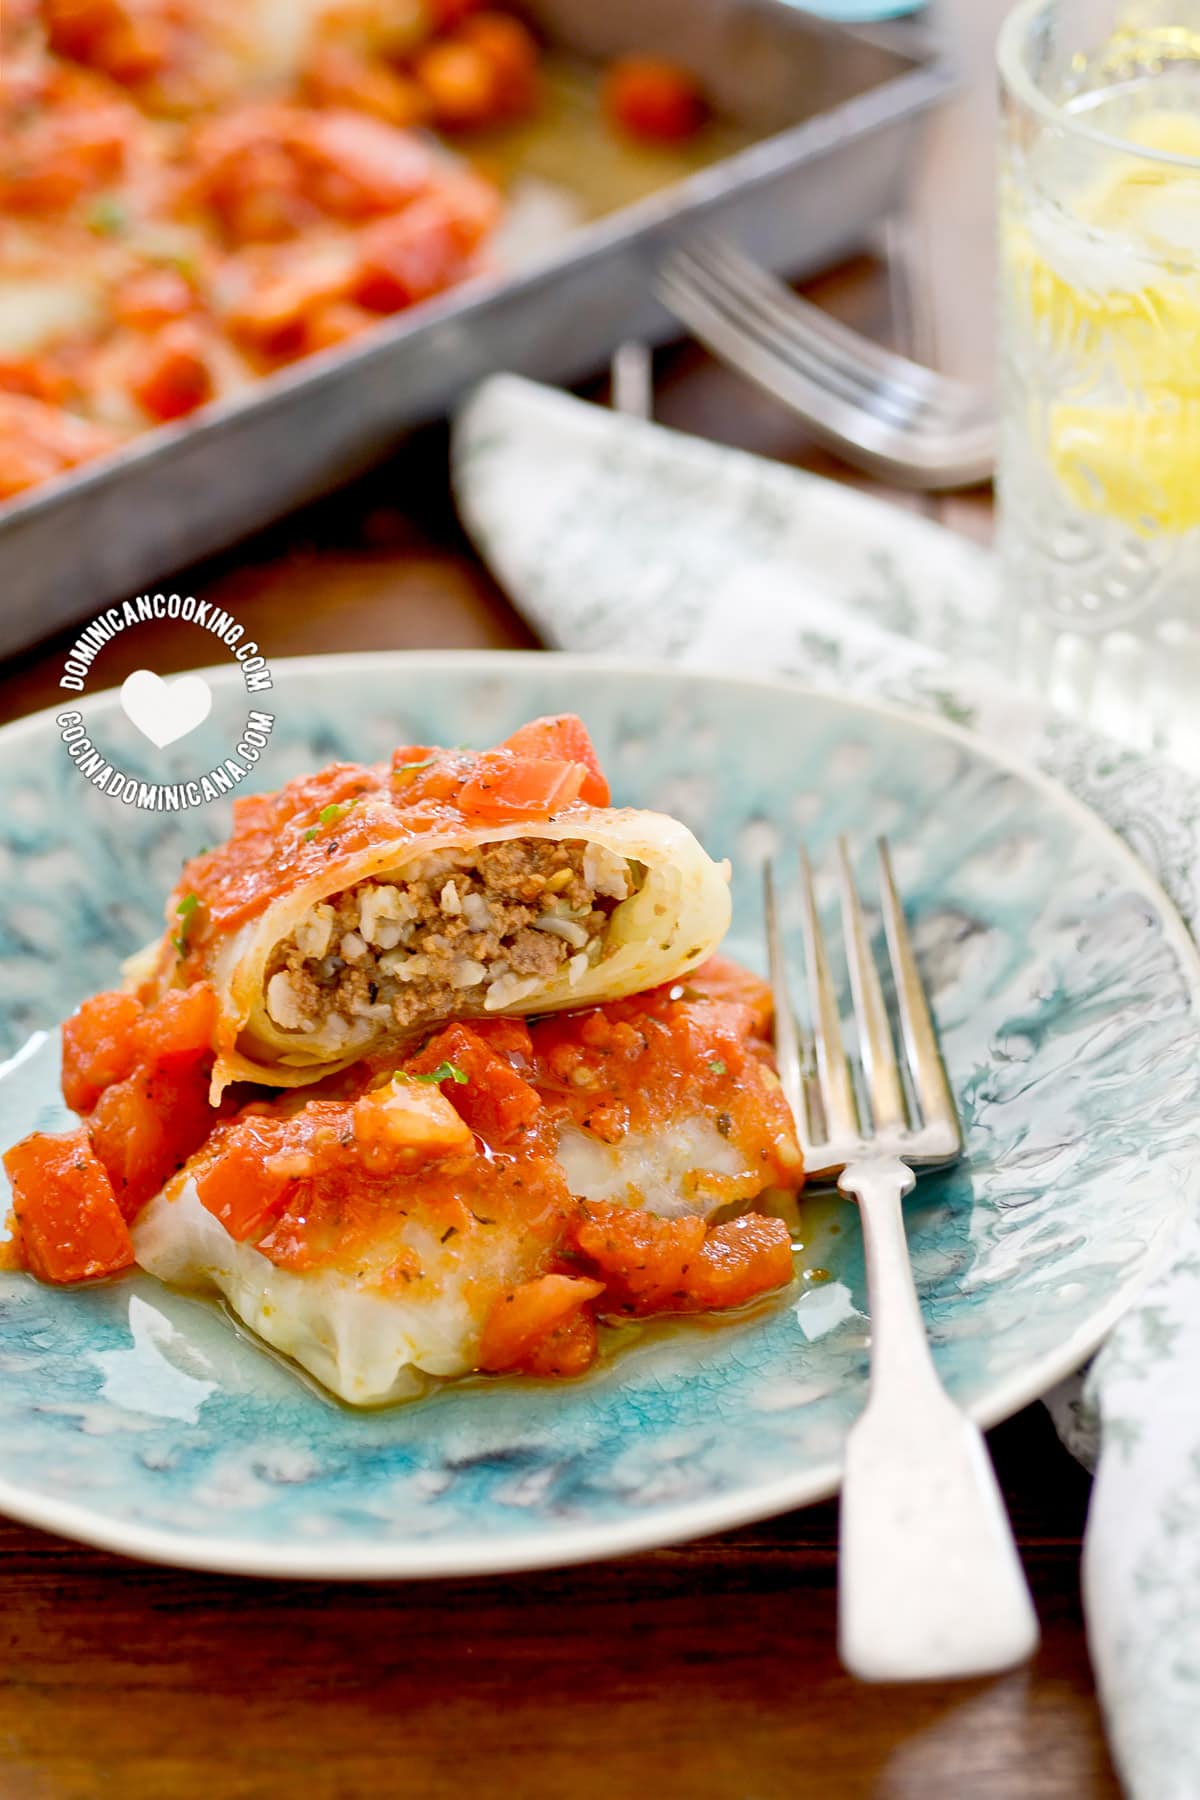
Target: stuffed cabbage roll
354	909
438	1218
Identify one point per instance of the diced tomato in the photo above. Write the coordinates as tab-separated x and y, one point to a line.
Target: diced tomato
511	51
274	310
37	378
505	787
38	441
563	737
740	1259
481	73
267	169
446	14
170	376
406	258
151	298
237	1186
125	41
243	172
473	207
146	1127
74	144
99	1046
339	75
68	1221
73	27
113	1033
356	166
493	1100
403	1124
645	1259
508	1037
522	1320
459	82
181	1025
248	169
652	1265
336	322
408	757
25	465
567	1349
653	99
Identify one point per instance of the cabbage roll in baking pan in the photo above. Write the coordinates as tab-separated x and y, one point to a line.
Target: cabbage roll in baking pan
355	909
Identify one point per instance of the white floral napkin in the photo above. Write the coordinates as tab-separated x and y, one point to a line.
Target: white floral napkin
611	534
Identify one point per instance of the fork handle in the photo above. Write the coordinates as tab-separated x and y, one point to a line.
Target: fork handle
930	1583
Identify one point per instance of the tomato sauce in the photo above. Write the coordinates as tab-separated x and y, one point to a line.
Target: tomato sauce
459	1139
391	1171
622	1067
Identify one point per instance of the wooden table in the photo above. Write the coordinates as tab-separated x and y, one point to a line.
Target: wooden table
703	1672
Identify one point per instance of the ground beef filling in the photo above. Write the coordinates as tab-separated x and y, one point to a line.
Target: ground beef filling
469	931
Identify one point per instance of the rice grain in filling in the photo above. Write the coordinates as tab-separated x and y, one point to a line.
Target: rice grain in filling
468	930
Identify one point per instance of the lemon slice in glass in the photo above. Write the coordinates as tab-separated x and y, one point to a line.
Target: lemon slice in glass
1114	293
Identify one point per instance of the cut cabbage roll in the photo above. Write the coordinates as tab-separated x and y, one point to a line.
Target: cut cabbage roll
355	909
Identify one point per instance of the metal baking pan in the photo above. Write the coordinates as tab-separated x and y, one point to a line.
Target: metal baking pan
819	123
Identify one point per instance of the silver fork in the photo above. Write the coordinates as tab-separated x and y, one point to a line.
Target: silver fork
930	1583
875	408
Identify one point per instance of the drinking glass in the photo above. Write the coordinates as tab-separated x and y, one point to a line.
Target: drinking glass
1099	462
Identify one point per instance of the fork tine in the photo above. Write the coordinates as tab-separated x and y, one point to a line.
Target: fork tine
858	358
924	1059
833	1071
718	313
944	439
819	346
874	1032
857	416
739	289
787	1046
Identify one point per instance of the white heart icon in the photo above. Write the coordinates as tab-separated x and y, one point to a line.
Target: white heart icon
165	711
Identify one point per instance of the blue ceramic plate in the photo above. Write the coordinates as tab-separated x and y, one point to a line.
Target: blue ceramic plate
1067	994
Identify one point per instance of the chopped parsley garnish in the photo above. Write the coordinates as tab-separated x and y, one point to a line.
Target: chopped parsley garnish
717	1067
310	834
108	215
329	815
411	768
185	909
184	262
445	1071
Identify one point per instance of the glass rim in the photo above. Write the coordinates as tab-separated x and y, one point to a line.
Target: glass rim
1010	45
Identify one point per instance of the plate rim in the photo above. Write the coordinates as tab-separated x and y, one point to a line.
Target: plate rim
430	1559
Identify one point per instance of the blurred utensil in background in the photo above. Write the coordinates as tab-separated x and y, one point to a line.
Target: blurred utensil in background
632	379
856	12
876	409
